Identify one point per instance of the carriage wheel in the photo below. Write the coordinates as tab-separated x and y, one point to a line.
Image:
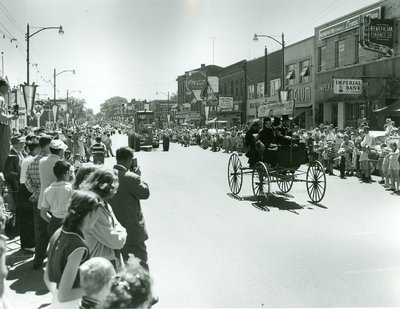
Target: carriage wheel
260	181
316	181
235	174
285	183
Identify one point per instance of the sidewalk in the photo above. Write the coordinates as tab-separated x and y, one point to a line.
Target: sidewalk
25	287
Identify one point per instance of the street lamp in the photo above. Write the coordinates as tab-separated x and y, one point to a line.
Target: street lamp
282	43
54	84
28	36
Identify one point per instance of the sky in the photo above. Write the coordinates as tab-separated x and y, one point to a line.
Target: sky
137	48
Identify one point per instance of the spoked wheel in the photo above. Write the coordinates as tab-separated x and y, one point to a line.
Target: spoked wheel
260	181
285	182
235	174
316	181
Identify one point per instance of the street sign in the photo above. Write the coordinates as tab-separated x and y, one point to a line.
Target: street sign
347	86
38	110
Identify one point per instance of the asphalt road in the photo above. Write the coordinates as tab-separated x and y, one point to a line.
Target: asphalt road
207	249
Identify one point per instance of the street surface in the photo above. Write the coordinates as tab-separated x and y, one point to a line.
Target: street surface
207	249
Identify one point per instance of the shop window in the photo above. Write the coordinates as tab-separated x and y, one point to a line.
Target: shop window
321	58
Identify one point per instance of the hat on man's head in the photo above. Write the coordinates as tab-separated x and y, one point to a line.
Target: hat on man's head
58	144
266	119
254	122
17	139
277	121
285	117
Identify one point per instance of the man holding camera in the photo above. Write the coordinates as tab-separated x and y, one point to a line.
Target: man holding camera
126	204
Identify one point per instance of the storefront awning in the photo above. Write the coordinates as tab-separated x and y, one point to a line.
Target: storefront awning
393	108
299	111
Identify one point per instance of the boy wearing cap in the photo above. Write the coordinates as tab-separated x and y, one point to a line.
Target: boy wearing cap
46	175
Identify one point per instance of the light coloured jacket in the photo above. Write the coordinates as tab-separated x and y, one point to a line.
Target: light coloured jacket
104	234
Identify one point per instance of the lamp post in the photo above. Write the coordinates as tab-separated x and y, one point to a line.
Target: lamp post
28	36
282	43
54	82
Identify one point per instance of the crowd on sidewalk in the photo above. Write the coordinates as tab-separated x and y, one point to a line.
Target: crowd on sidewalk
354	152
81	221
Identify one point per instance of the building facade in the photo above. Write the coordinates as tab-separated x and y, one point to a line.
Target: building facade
190	107
255	84
300	80
354	77
232	95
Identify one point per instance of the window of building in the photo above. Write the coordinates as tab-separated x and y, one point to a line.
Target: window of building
305	71
321	58
357	49
241	87
225	88
339	53
250	91
232	89
237	88
260	90
275	86
291	76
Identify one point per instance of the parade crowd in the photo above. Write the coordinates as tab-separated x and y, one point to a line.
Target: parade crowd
84	218
354	152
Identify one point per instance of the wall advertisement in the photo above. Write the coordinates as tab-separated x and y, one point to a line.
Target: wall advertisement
225	103
276	109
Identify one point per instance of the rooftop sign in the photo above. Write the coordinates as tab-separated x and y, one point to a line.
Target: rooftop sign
348	24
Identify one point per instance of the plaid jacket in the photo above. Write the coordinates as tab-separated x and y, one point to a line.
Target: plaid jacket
32	181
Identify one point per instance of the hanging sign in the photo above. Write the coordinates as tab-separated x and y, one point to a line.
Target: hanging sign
377	35
38	110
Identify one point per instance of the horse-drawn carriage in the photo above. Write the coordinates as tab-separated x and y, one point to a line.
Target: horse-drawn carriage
284	171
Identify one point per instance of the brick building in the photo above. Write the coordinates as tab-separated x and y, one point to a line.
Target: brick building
342	53
300	80
232	95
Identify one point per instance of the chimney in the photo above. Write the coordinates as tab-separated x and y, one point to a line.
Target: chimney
203	65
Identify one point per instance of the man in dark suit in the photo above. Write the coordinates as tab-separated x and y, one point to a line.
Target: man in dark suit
12	169
126	205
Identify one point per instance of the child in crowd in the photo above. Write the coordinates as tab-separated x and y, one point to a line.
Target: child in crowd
67	250
95	279
57	196
329	156
131	288
385	166
98	151
239	143
394	167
